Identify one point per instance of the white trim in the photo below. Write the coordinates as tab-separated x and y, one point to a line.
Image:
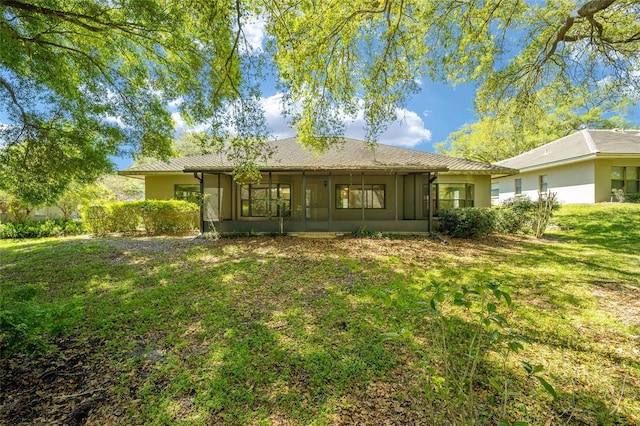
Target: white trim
590	143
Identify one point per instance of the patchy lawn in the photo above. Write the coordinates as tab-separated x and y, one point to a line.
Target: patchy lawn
286	331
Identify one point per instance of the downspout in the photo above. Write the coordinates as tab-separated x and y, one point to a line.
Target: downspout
201	180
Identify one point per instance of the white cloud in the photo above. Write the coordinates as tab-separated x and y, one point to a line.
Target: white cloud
279	125
408	131
254	33
180	124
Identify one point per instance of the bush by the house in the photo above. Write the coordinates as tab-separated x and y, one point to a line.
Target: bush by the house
633	197
41	229
149	216
528	215
507	221
124	217
467	222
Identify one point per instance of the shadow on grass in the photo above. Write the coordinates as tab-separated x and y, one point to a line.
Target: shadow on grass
260	329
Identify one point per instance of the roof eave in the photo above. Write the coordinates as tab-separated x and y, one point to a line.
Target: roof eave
386	168
562	162
133	173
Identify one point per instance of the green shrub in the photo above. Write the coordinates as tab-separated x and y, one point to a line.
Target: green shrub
524	208
633	198
507	221
364	232
467	222
125	217
152	216
533	216
97	219
41	229
26	321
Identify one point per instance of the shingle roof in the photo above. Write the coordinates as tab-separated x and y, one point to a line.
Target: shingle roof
581	145
352	154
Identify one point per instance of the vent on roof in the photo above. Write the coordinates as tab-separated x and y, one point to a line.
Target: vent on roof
546	151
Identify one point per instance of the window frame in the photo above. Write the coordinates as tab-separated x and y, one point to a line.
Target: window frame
543	182
345	199
272	207
517	190
625	180
495	190
193	196
468	190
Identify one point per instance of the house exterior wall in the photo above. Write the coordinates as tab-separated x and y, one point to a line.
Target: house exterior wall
162	187
403	210
603	175
482	186
573	183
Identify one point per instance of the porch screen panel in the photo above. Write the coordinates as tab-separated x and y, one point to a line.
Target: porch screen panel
369	196
213	200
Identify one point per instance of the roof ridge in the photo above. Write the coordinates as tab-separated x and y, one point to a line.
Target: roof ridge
589	140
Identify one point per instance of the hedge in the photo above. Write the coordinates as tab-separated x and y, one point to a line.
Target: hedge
41	229
467	222
149	216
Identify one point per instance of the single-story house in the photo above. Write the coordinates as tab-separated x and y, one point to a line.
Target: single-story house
582	168
384	188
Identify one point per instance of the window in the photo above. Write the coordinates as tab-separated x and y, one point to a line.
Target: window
542	184
454	195
360	196
495	190
625	178
187	193
518	186
265	200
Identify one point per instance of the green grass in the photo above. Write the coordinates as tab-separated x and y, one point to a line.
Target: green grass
264	330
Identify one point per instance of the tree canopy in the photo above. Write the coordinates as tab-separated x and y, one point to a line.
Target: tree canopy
85	79
514	129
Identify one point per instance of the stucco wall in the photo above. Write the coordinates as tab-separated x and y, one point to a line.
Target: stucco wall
603	175
573	183
162	187
482	186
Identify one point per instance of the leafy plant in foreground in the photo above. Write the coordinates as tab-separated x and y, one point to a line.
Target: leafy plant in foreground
464	323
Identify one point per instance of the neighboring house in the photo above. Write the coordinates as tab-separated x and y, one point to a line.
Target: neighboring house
385	188
40	213
582	168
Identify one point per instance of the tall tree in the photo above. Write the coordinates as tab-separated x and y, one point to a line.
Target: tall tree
91	78
333	54
513	129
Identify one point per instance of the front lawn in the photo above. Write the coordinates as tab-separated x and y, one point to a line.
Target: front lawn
261	330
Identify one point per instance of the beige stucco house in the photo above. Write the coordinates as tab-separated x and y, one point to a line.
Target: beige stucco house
384	188
581	168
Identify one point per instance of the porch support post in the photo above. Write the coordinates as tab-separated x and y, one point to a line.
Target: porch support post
304	201
415	196
201	179
362	196
330	185
396	196
219	198
269	201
